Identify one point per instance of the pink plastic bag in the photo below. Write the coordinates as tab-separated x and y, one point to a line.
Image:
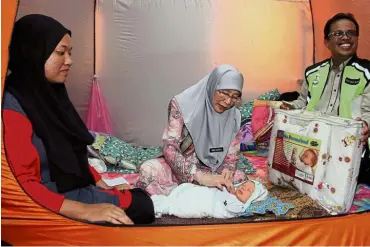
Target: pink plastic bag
98	118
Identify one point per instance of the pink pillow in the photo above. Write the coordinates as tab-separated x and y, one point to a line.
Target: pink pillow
262	120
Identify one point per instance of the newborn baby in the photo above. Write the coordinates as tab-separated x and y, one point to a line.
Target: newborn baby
195	201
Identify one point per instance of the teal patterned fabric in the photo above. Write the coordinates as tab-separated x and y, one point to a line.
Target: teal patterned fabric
118	169
123	151
246	108
245	165
271	204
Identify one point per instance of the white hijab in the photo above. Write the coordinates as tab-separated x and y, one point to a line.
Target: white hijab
212	132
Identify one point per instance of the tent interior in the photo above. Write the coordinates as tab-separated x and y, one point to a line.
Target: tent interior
142	53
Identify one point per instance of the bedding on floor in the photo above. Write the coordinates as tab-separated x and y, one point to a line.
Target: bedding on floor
304	207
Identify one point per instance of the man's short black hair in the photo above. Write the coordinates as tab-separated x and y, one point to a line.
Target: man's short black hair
340	16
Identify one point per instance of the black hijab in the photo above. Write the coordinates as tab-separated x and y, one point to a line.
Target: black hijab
47	105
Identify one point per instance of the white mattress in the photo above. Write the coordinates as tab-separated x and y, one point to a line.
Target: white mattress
326	157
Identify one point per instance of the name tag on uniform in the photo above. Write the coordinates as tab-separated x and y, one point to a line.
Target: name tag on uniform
352	81
216	150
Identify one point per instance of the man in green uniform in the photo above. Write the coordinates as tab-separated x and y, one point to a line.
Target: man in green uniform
339	85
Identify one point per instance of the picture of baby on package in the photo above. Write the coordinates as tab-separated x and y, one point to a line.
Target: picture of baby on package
296	155
306	161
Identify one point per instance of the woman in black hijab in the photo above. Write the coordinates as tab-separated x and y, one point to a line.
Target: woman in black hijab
45	138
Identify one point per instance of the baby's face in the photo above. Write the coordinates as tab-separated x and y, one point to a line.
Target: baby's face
244	191
307	158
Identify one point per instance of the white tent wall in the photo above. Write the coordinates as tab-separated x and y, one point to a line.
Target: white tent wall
78	16
146	52
149	50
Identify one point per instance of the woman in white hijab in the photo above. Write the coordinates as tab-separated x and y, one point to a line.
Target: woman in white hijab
201	143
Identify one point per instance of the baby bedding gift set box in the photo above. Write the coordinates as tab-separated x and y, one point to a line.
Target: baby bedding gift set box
317	154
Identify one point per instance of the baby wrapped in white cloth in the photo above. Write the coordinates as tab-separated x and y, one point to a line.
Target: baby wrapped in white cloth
195	201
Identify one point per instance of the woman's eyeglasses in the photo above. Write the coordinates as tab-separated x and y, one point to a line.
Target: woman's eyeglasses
226	95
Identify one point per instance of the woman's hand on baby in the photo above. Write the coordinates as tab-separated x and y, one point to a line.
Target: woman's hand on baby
228	176
106	212
218	181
